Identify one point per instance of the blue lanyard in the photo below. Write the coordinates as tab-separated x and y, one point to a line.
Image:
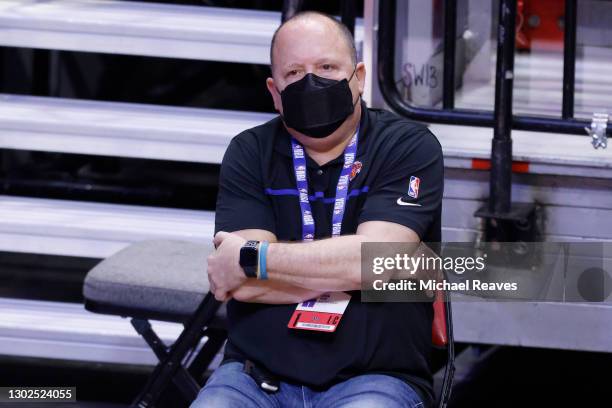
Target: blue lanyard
299	166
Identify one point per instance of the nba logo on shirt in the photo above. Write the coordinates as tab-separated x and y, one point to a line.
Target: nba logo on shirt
413	189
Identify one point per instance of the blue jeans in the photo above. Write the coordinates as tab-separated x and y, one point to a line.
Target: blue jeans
230	387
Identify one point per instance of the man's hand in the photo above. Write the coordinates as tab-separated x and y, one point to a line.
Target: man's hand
224	271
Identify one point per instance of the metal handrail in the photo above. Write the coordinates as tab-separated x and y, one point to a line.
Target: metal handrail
566	124
569	59
290	8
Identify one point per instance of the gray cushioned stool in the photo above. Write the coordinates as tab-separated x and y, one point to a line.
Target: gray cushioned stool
162	280
159	279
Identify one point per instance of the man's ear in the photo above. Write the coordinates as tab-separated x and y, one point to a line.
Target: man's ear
276	98
360	73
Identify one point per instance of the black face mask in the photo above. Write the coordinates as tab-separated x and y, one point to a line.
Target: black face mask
317	106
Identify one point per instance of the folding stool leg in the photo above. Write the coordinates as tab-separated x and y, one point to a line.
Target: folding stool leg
183	380
165	371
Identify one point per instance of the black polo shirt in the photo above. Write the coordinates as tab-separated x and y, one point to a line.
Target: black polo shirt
257	189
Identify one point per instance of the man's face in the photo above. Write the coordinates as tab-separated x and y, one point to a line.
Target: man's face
311	46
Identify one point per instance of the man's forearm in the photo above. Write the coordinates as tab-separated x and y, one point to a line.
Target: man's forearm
270	292
332	264
327	265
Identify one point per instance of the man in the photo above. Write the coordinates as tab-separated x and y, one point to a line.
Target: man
326	167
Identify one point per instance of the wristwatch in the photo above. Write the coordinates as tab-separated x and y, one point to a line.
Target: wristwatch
249	257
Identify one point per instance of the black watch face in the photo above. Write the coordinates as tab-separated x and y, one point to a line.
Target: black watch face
248	254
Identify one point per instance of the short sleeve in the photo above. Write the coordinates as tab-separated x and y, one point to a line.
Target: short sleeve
242	202
409	186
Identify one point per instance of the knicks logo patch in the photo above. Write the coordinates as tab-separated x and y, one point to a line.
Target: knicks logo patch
413	188
355	169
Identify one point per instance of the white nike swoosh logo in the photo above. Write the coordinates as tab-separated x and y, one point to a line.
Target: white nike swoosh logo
400	202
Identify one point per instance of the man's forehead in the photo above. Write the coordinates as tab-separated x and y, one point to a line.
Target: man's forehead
307	40
308	23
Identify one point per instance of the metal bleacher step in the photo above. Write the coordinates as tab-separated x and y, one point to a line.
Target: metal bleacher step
67	331
94	230
202	135
120	129
135	28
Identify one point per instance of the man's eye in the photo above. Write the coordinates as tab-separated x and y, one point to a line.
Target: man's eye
292	73
327	67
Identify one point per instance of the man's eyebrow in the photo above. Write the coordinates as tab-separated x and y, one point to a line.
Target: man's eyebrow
326	60
329	60
291	66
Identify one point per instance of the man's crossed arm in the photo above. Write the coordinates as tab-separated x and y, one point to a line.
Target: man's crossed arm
296	271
